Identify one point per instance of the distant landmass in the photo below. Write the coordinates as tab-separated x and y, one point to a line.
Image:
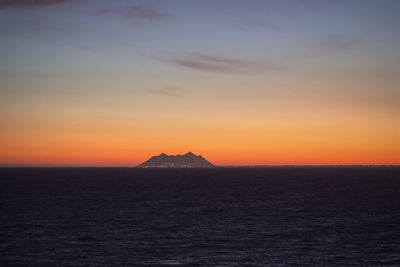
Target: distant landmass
189	160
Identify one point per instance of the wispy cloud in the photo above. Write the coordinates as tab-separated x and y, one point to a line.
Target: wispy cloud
29	4
136	12
165	90
219	64
340	42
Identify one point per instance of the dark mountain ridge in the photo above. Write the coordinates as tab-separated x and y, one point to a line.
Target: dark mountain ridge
188	160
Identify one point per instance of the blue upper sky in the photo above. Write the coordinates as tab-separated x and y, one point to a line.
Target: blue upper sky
75	35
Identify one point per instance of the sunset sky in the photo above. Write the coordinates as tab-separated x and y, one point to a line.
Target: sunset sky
112	83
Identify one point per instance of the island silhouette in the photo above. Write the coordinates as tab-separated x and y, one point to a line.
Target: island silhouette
188	160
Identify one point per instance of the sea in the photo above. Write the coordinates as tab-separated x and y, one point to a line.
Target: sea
243	216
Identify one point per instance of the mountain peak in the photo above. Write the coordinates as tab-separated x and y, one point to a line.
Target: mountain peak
188	160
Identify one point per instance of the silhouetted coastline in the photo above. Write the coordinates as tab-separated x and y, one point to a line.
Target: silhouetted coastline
188	160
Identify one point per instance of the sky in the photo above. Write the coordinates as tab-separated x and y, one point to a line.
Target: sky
112	83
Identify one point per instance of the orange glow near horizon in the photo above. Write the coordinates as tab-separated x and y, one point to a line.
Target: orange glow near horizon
291	142
84	158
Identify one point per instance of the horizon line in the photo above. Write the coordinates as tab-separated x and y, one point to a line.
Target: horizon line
215	166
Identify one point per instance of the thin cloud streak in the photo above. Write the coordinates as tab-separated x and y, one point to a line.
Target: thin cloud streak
340	42
137	13
165	90
30	4
219	64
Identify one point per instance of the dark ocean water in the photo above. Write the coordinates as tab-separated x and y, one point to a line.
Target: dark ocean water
200	217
